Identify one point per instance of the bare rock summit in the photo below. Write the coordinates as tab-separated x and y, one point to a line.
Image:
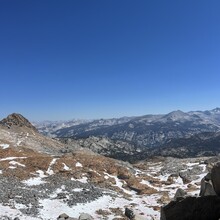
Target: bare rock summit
17	120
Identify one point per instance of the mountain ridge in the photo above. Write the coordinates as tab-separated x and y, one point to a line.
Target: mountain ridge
148	130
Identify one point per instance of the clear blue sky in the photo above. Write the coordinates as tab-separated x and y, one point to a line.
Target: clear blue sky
108	58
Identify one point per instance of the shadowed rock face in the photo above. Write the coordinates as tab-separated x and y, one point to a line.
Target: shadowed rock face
215	177
202	208
193	208
17	120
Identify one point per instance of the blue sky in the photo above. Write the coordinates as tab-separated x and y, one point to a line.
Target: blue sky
102	59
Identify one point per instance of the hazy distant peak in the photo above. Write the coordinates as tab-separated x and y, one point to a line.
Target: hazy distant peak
176	115
215	110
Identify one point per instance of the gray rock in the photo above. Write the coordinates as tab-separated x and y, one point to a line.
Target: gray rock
206	188
85	216
5	218
29	196
195	208
191	174
180	193
63	216
129	213
215	176
212	160
162	213
61	196
172	166
208	177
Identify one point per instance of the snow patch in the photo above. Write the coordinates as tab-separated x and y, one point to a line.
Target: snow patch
13	213
119	184
34	181
191	164
77	190
16	163
82	180
78	164
49	170
52	208
18	143
12	158
41	173
4	146
65	167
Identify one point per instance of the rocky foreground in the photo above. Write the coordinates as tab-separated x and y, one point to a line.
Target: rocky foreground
38	186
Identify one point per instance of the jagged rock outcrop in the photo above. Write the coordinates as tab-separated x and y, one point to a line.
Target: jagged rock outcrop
17	120
85	216
215	178
205	207
16	131
195	208
206	186
180	193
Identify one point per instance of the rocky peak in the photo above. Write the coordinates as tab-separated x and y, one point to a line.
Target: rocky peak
17	120
215	111
176	114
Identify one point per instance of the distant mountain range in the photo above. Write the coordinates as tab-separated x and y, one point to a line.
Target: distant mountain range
143	131
181	134
177	134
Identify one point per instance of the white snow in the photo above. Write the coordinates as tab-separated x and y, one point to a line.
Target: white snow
179	180
78	164
52	208
41	173
18	143
191	164
65	167
13	213
19	206
119	183
11	158
77	190
49	170
203	166
34	181
4	146
16	163
95	172
57	191
82	180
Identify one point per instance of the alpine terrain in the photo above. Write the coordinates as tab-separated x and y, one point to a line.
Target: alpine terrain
177	133
79	177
